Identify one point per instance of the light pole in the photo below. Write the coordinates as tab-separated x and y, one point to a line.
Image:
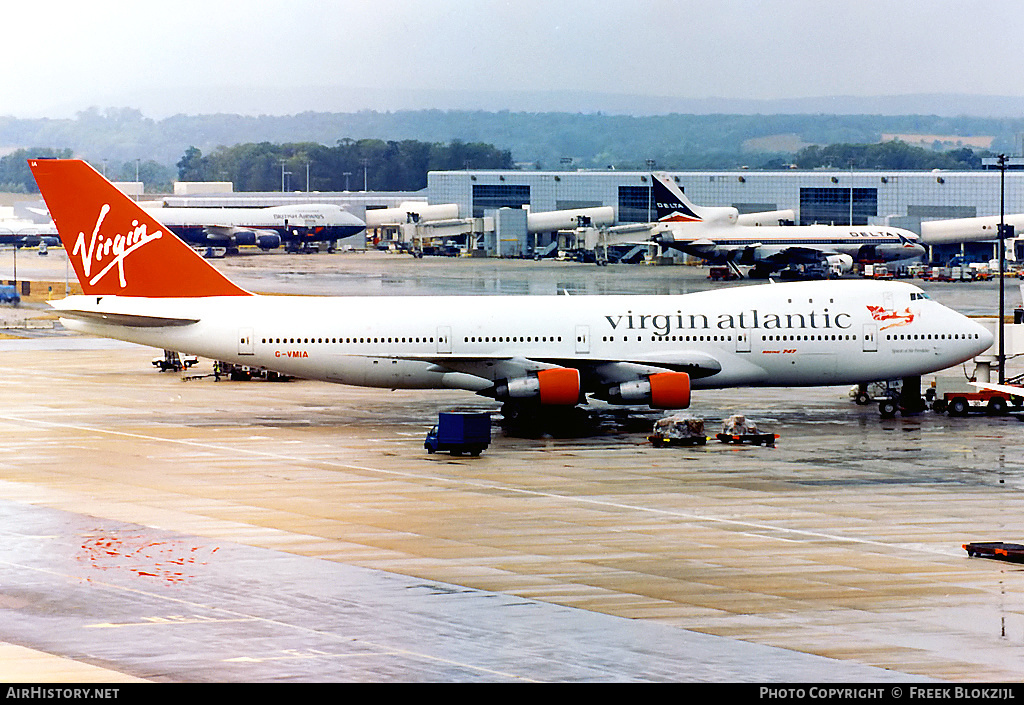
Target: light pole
1001	160
851	193
14	246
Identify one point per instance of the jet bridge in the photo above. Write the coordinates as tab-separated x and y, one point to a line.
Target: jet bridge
502	232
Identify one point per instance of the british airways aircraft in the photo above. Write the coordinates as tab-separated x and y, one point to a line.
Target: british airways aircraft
296	226
143	284
716	235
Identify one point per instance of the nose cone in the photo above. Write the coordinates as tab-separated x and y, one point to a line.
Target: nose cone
986	338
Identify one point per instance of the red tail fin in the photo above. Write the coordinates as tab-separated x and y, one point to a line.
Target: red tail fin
114	245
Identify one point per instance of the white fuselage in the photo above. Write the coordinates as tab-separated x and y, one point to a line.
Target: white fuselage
792	334
305	215
721	242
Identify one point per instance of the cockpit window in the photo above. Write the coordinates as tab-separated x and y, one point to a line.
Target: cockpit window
918	296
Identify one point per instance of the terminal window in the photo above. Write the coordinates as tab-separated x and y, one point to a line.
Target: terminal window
832	206
488	197
636	205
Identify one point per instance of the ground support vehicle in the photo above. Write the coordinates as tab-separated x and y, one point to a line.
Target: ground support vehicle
883	391
9	295
1013	552
460	432
877	271
244	373
174	361
678	430
722	274
959	399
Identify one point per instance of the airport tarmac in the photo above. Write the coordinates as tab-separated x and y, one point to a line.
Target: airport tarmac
193	531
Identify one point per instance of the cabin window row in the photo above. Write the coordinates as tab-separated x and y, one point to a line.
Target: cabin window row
513	339
931	336
690	338
343	341
786	338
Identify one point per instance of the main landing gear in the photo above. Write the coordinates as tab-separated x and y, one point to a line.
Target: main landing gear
909	400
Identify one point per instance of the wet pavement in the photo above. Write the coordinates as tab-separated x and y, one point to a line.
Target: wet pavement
169	607
163	529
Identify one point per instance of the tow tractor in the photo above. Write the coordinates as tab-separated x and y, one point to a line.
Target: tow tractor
958	398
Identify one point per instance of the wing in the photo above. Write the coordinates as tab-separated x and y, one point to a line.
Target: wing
783	255
594	373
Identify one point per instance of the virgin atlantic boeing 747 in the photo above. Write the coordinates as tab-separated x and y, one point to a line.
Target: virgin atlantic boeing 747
144	285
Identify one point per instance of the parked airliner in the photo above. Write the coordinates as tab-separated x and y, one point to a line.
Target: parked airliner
142	284
294	226
714	234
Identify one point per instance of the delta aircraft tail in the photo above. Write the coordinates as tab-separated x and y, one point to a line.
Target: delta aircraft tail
672	206
116	247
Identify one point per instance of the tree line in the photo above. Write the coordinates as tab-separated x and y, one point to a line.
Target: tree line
15	176
887	156
379	165
350	165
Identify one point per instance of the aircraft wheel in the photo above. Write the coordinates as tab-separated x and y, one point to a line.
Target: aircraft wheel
959	407
996	406
887	409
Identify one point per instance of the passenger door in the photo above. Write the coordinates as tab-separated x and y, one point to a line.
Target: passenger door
444	339
870	337
245	341
582	340
742	341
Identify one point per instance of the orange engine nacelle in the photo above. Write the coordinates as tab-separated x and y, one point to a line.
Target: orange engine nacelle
670	390
663	390
559	386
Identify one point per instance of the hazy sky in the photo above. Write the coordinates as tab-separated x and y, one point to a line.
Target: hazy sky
260	55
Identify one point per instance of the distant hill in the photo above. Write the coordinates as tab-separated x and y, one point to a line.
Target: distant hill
124	138
168	100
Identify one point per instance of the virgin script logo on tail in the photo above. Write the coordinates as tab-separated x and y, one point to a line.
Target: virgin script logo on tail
108	252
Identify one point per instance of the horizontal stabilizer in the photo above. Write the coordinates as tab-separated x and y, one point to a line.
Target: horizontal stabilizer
125	319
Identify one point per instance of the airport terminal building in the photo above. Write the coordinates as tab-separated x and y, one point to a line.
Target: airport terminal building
897	198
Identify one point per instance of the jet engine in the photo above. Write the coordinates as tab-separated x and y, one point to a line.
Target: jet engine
664	390
844	263
557	386
267	240
264	239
